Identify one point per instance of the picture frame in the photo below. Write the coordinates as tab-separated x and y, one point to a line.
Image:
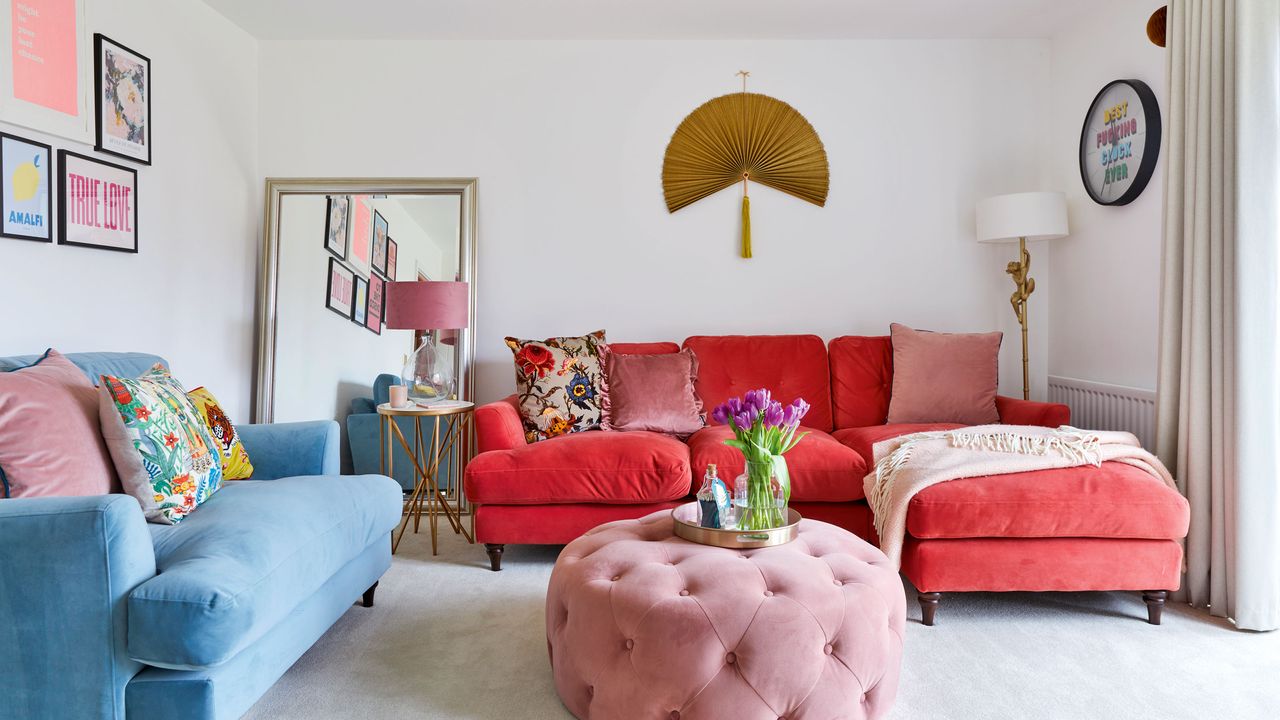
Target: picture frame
392	254
376	304
26	192
48	86
336	222
360	247
122	100
360	301
380	230
97	203
340	288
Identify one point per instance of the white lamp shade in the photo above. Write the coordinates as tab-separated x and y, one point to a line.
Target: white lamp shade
1032	215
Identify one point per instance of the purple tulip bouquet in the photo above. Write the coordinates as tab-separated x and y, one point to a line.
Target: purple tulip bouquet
764	431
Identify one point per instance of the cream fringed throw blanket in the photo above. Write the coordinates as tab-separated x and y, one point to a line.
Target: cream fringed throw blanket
906	465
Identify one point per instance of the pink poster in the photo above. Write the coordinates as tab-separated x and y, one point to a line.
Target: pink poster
361	234
44	53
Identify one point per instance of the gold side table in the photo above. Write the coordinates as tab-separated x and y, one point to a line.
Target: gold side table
451	443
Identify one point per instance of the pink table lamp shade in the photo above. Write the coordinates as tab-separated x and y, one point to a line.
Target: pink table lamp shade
426	305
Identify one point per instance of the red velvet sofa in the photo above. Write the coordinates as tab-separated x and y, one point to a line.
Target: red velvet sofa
1108	528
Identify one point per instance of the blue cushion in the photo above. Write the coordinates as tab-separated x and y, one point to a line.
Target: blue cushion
93	364
247	558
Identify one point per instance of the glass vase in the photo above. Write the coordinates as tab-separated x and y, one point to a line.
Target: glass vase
759	498
428	376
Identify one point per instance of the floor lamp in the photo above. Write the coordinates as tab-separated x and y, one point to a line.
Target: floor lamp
1022	217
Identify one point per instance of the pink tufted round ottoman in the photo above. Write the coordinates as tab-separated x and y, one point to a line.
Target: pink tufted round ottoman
642	624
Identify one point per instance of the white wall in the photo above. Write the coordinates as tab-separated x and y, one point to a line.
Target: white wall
1106	274
189	293
567	139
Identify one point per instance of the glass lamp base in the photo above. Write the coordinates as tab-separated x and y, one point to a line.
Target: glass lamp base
428	379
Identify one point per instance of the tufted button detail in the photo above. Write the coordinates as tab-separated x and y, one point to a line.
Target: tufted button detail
632	643
675	715
591	690
768	593
828	649
863	698
839	583
684	593
616	578
731	658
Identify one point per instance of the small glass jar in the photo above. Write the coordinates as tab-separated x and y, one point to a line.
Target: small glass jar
759	499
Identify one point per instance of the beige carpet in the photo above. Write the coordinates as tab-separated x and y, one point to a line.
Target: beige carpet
450	639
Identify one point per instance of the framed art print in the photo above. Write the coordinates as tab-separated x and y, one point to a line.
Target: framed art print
377	291
97	203
360	301
361	247
122	81
26	200
335	224
44	69
340	288
379	243
392	249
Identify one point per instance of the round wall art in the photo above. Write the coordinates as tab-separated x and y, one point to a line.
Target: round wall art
1120	142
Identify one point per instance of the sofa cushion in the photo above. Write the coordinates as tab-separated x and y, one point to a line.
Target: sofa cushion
861	380
651	392
1115	500
790	366
558	384
822	470
588	467
231	572
863	439
944	377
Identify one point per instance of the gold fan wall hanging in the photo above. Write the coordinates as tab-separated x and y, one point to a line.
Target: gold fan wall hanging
739	138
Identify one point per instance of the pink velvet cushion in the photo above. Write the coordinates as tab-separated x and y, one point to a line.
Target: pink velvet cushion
944	377
651	392
641	624
50	437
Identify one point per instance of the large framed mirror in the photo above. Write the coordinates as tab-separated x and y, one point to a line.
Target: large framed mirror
329	248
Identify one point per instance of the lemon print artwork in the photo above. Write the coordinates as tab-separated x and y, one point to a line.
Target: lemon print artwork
26	180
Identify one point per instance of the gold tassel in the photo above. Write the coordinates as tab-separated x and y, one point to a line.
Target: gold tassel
746	226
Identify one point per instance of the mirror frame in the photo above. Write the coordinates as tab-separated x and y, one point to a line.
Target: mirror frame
269	267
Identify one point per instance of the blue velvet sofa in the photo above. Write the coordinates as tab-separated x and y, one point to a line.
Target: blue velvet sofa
107	616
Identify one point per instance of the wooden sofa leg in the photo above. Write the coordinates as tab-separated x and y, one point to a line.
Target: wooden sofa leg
367	599
1155	604
495	555
928	606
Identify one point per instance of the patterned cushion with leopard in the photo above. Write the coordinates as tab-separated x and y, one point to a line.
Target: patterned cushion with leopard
235	460
558	384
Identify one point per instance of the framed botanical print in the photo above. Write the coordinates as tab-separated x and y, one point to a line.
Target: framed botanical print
26	197
335	224
97	203
377	293
361	247
340	288
360	301
379	243
392	249
122	83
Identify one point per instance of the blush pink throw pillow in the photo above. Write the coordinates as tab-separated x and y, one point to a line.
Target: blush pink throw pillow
650	392
50	437
944	377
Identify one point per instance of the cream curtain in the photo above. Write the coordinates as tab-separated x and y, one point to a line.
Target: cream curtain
1218	393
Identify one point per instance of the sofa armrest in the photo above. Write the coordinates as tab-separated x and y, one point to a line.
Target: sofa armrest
290	449
1029	412
498	426
67	566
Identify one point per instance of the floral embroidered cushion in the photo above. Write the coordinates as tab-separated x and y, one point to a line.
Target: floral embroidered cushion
235	459
163	451
558	386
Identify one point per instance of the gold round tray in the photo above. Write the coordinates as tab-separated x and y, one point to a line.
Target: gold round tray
687	527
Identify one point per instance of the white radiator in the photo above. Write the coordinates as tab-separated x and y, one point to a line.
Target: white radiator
1099	406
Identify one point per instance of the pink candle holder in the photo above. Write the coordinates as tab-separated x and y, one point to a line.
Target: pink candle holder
398	396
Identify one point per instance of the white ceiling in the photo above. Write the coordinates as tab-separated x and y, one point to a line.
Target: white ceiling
590	19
